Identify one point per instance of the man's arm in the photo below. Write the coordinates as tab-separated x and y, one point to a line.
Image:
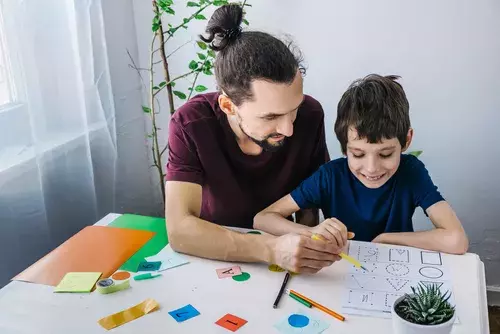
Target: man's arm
448	236
189	234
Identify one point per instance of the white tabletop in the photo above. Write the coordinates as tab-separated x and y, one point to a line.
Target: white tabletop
34	308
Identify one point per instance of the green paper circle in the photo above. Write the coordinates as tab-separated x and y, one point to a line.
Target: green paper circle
253	232
242	277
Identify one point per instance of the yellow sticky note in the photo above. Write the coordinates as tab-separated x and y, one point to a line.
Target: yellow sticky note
132	313
77	282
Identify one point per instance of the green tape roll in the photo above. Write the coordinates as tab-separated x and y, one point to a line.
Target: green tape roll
109	285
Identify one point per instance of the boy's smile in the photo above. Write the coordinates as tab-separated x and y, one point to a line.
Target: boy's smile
374	164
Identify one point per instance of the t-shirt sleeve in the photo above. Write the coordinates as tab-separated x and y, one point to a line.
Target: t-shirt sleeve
425	192
183	161
310	194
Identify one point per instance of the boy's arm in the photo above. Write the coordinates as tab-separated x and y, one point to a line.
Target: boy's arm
448	236
272	219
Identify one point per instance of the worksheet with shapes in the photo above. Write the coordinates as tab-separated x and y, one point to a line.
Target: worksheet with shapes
391	272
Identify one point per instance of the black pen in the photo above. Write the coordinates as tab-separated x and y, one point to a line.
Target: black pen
282	290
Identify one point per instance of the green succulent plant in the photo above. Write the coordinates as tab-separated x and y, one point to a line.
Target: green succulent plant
426	306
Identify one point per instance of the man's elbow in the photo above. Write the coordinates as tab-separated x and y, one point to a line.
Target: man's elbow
258	220
175	236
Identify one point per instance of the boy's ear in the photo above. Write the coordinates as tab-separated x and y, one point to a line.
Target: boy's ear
226	105
409	137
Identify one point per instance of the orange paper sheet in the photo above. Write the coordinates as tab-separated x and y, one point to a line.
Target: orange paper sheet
93	249
132	313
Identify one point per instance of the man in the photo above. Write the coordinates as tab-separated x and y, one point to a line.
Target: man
233	153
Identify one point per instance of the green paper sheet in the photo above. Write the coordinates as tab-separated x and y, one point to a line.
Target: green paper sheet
153	246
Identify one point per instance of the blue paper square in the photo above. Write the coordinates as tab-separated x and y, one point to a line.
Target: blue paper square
184	313
149	266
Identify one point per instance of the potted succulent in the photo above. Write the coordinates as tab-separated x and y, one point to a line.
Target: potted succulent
427	310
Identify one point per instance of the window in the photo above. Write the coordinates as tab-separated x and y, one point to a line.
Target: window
6	86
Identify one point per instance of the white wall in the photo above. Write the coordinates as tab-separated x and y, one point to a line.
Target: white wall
448	54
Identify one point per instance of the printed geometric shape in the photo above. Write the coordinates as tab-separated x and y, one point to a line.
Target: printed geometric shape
397	283
429	283
367	254
363	281
396	269
370	267
399	255
184	313
228	272
431	272
360	298
390	298
433	258
231	322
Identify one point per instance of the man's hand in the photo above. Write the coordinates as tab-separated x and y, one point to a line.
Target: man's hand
333	231
301	254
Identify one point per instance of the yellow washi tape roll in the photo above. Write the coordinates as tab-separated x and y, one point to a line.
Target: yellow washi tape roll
118	282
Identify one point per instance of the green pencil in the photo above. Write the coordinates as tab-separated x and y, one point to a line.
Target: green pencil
300	300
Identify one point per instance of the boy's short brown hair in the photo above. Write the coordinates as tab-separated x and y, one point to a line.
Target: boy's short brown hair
376	107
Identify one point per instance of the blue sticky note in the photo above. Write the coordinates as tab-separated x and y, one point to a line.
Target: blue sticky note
149	266
301	322
184	313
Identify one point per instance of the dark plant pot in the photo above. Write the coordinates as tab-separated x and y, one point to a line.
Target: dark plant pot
402	326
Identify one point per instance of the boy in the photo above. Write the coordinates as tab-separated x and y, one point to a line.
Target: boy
374	190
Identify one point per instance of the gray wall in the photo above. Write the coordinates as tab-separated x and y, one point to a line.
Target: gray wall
448	54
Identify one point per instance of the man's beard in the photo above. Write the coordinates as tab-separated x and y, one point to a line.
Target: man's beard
264	143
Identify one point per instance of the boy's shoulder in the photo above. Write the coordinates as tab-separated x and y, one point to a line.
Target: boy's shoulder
410	165
336	167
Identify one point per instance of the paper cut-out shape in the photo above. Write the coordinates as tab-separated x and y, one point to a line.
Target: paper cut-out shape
228	272
77	282
298	320
396	269
397	283
231	322
149	266
399	255
242	277
132	313
169	259
433	258
254	232
313	326
431	272
275	268
184	313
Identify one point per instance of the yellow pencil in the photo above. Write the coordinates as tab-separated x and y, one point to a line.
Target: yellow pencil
343	255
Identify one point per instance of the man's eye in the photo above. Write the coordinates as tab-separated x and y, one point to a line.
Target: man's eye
270	118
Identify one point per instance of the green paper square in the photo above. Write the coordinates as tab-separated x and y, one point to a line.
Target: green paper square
153	246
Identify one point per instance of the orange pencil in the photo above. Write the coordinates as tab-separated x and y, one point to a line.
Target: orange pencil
319	306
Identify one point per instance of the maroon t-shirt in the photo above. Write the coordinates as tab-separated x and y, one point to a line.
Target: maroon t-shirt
236	186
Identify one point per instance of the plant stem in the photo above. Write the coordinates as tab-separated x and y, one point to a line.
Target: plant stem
195	79
155	147
166	71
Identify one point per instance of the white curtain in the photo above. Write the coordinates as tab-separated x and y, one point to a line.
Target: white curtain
58	141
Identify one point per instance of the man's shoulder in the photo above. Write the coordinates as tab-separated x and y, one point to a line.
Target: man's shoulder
200	109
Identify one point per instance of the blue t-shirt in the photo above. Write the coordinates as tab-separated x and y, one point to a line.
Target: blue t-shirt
369	212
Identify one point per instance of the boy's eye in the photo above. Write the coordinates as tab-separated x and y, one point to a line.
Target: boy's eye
385	156
358	156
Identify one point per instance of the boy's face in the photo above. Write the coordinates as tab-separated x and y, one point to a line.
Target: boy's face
374	164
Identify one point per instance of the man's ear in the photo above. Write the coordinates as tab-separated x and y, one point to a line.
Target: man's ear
409	137
226	105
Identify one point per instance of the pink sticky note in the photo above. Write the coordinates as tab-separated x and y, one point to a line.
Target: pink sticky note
228	272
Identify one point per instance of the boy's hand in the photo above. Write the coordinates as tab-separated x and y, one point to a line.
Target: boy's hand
301	254
333	231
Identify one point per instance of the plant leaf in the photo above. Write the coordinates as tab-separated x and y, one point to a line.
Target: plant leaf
200	88
207	72
179	94
169	11
193	65
172	84
202	56
211	53
246	22
202	45
155	27
146	109
220	2
416	153
163	83
192	4
200	17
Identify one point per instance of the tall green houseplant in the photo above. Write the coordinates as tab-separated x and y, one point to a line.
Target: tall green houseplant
164	26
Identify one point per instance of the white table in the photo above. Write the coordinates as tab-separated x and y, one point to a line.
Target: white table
32	308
